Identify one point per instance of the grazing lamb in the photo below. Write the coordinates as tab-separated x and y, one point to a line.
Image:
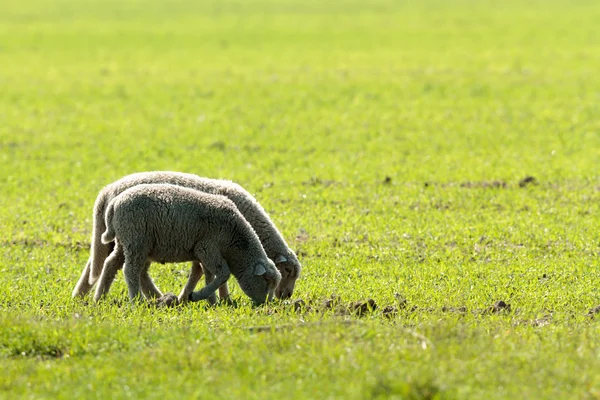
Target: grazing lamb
273	243
169	223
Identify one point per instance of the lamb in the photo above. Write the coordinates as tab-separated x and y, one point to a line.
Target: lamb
273	243
169	223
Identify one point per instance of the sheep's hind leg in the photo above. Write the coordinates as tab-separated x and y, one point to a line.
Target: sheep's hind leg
83	286
224	292
133	269
196	272
111	266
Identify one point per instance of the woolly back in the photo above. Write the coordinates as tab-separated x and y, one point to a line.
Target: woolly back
249	207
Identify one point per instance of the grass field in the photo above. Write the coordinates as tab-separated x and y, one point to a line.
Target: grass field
390	142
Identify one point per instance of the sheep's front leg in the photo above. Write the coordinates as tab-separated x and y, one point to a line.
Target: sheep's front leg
83	286
149	289
208	278
223	289
196	272
222	273
111	266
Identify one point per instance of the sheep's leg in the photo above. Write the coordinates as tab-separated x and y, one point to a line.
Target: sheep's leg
208	278
224	291
149	289
195	275
83	287
111	266
133	269
99	256
222	273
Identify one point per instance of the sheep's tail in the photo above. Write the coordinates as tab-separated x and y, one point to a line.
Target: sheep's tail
109	235
98	251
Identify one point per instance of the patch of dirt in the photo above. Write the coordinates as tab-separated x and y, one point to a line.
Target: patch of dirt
492	184
167	300
441	205
401	301
390	312
301	306
593	311
541	321
484	185
286	327
218	145
302	236
498	307
458	310
361	308
388	389
332	302
39	351
301	253
315	181
528	180
40	243
544	278
538	322
335	304
387	180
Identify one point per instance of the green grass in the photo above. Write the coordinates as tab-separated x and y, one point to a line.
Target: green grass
387	141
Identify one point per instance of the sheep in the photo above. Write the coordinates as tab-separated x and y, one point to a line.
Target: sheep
169	223
273	243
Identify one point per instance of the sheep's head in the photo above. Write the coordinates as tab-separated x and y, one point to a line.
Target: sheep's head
290	268
260	280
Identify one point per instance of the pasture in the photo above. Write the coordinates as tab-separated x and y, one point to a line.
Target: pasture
439	157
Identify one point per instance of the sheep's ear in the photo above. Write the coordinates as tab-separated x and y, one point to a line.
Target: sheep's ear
280	259
259	269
